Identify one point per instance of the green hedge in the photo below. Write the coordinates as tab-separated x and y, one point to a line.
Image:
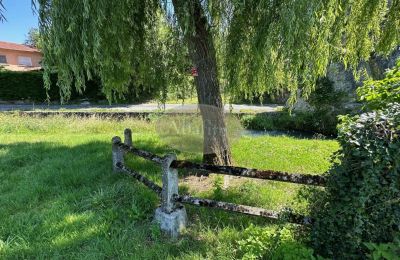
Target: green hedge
299	121
361	203
28	86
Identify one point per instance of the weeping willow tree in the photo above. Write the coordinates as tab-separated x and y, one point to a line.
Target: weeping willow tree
2	17
252	46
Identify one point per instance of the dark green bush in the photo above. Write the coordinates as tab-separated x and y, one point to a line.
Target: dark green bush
361	203
284	121
29	86
262	121
327	104
388	251
21	85
325	95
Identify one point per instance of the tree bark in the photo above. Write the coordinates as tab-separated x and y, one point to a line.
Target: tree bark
216	148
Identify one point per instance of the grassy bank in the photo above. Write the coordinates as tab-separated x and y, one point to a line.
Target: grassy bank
59	197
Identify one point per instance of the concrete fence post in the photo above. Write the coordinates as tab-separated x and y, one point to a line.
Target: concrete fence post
170	183
117	153
128	137
171	215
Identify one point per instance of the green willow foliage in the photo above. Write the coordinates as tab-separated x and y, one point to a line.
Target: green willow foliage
290	43
262	46
2	17
118	41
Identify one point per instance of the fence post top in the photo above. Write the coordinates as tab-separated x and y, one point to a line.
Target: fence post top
127	131
168	159
116	139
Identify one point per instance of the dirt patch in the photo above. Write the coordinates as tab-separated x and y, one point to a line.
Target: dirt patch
200	184
197	184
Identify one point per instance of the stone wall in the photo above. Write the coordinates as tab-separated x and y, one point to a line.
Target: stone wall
344	80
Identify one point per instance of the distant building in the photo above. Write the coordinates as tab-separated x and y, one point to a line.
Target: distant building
19	57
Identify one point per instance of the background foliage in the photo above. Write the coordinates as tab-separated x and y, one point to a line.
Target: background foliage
378	93
33	38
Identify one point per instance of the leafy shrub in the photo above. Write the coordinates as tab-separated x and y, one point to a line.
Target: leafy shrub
256	242
327	105
378	93
261	243
29	86
388	251
325	95
361	202
284	121
262	121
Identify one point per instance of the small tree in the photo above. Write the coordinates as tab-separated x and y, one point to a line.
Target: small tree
33	38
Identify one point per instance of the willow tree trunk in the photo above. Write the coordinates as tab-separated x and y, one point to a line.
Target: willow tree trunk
202	52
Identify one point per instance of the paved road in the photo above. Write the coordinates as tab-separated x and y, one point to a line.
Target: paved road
148	107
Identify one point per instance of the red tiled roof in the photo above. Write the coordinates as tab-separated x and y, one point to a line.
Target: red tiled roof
17	47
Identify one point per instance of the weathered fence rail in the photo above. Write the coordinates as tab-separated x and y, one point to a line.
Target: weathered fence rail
307	179
171	214
157	189
249	210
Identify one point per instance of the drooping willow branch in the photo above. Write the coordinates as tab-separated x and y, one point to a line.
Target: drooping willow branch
262	46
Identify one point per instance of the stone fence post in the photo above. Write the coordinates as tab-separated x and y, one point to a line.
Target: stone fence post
117	153
128	137
171	215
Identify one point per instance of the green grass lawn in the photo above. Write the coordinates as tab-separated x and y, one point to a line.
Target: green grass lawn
60	199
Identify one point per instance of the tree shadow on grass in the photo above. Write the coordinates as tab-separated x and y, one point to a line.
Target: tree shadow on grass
65	201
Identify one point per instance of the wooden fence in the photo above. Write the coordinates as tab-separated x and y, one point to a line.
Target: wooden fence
171	214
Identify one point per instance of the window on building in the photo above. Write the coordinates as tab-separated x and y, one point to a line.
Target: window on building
3	59
25	61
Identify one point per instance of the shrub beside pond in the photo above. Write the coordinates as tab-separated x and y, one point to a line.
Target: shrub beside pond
284	121
361	202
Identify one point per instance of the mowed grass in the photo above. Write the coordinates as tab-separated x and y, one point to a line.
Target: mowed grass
60	199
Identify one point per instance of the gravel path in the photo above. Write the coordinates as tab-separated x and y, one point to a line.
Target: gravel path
148	107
